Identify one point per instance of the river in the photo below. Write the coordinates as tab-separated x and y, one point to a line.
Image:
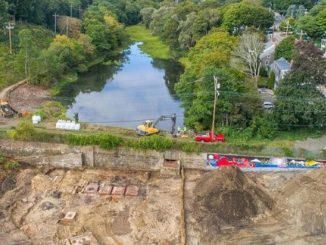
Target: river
126	94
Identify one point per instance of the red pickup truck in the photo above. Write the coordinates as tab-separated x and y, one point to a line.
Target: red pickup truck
210	136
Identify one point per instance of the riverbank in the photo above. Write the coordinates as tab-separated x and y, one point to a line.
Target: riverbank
152	45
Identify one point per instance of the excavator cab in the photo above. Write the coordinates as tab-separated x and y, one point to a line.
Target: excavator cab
149	127
6	110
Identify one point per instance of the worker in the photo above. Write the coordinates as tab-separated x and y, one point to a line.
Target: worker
76	117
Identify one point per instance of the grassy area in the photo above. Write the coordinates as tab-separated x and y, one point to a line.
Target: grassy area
108	138
152	45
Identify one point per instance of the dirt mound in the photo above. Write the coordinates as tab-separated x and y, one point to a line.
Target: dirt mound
226	197
304	199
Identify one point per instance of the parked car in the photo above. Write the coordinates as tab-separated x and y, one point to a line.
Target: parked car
268	105
210	137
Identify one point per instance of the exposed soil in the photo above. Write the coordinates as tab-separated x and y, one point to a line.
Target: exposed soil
27	98
228	197
223	206
32	210
278	208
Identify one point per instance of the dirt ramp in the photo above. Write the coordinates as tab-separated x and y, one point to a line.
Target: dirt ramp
226	197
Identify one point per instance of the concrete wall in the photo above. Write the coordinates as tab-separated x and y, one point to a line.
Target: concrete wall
129	159
60	155
193	161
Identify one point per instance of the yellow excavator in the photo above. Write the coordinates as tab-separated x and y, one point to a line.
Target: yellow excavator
149	127
6	110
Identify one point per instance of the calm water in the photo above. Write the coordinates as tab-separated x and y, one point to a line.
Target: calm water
125	95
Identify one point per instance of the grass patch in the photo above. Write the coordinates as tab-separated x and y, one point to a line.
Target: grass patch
12	165
112	138
152	45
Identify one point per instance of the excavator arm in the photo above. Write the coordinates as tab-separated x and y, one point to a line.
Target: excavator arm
172	117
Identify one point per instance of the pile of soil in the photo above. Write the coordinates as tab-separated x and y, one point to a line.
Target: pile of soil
304	199
226	197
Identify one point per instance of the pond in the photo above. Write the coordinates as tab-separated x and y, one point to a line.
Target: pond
126	94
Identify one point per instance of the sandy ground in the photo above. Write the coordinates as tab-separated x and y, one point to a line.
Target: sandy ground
33	204
151	217
297	217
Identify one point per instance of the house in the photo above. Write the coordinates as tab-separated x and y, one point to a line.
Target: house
280	67
267	56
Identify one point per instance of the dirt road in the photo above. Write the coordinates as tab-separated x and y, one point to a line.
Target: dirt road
4	94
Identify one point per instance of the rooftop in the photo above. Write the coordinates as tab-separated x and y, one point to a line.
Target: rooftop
283	64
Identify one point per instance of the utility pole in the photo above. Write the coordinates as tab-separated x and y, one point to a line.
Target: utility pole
71	10
67	25
217	86
287	27
55	23
9	27
301	35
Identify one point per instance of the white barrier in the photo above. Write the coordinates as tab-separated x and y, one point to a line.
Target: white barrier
67	125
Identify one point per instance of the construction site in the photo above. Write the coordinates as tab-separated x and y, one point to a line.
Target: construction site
63	194
47	205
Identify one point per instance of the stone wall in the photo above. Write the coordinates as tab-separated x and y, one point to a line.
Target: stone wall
127	159
61	155
193	161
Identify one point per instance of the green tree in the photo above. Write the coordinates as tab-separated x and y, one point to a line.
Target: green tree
211	56
285	48
146	14
29	60
103	28
238	16
284	4
314	26
3	13
299	101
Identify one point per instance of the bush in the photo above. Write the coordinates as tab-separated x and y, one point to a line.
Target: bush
288	152
155	142
105	141
24	131
189	147
265	126
2	158
12	165
52	110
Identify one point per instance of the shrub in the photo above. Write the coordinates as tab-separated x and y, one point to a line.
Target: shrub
52	110
24	131
288	152
155	142
105	141
2	158
189	147
265	126
12	165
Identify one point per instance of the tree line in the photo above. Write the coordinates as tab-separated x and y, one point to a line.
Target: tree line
225	39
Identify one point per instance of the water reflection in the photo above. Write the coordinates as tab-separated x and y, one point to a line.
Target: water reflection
124	95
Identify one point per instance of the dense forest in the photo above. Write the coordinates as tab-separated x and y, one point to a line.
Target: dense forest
222	38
